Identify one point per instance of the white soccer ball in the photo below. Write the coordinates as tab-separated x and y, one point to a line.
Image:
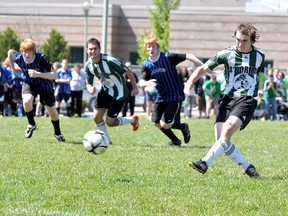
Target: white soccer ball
96	141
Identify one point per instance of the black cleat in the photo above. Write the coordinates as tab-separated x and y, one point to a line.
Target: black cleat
186	133
29	130
60	138
200	166
176	143
251	172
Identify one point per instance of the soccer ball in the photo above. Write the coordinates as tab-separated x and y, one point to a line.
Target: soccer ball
96	141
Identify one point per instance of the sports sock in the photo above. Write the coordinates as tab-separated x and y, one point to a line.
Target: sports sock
102	127
169	133
234	154
125	120
30	117
179	126
56	125
217	148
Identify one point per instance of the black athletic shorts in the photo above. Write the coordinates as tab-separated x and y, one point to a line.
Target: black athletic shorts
104	100
242	107
65	96
46	98
168	112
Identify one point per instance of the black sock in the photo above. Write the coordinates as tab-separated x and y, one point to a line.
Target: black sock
56	125
30	117
179	126
169	133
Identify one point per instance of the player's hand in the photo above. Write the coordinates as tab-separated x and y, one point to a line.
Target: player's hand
187	87
152	83
33	73
91	89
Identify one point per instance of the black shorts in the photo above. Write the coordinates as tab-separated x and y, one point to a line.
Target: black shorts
65	96
46	98
242	107
104	100
168	112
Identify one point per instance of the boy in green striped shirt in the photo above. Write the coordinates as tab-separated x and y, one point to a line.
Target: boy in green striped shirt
111	72
242	64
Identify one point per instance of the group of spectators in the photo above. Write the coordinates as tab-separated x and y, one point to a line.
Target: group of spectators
272	97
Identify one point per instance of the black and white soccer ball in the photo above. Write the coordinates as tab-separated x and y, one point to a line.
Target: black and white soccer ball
96	141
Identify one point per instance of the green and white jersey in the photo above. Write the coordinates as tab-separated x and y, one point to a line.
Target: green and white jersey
241	70
110	71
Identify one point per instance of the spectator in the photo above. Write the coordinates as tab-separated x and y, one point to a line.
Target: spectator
200	98
77	84
63	90
190	98
270	88
130	100
260	111
5	76
212	91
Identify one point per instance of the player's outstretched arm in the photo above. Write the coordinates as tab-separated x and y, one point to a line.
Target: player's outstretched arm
193	59
11	54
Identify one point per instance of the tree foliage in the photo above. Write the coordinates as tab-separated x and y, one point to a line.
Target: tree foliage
8	40
160	20
56	47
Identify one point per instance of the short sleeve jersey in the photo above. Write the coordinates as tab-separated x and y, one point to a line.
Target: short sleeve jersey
110	71
169	84
40	64
64	87
241	70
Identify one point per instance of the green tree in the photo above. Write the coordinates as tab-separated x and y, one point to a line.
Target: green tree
56	47
8	40
160	20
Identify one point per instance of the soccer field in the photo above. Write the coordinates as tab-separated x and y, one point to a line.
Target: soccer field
139	174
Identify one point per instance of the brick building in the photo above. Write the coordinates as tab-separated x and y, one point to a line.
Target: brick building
201	27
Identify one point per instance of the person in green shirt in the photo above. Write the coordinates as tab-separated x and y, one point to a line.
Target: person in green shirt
212	90
270	88
260	111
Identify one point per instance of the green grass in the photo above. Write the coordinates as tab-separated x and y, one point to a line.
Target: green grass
139	174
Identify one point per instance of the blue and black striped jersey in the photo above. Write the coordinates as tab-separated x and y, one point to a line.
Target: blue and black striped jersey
169	84
40	64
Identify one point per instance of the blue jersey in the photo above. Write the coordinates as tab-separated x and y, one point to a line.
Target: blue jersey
63	87
5	75
169	84
40	64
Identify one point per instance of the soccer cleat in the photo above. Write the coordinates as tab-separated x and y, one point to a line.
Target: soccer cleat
186	133
29	130
251	172
175	143
200	166
60	138
135	124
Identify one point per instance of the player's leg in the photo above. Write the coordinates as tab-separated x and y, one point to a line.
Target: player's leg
246	108
157	113
172	111
113	111
28	97
48	99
